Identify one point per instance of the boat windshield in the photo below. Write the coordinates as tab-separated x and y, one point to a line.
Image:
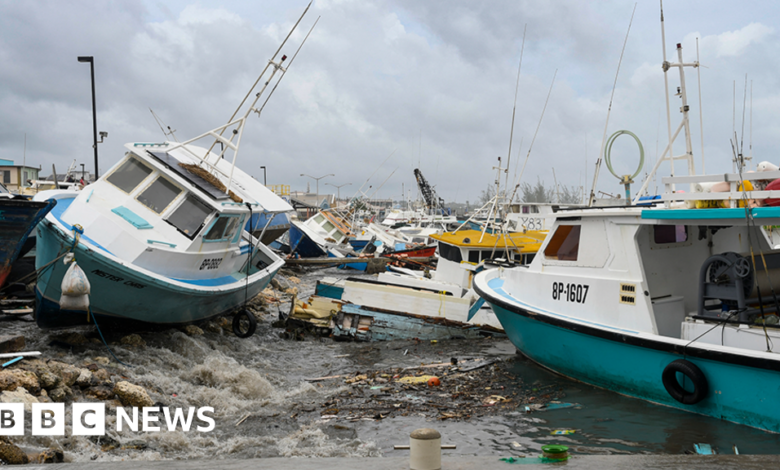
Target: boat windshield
159	195
222	229
189	216
129	175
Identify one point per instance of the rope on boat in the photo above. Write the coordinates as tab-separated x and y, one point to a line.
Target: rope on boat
78	232
94	320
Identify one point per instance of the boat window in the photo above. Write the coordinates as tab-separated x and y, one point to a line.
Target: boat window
328	226
188	218
526	209
159	195
564	244
222	229
488	254
129	175
474	256
449	252
238	232
669	234
319	218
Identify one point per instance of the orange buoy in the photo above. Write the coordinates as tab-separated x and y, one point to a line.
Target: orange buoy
434	382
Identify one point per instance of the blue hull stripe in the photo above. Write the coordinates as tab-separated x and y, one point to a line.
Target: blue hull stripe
623	336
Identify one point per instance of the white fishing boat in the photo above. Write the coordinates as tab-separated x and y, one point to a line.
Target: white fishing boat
162	235
674	301
446	292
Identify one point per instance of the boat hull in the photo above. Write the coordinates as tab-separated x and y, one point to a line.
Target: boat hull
18	218
740	390
120	292
302	244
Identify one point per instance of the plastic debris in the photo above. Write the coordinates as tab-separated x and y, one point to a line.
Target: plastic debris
12	361
418	379
434	382
703	449
562	432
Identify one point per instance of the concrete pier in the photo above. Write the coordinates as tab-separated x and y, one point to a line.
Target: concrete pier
587	462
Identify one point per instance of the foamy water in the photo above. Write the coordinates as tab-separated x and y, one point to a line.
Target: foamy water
263	377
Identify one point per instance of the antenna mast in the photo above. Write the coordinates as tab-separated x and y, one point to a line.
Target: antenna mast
667	154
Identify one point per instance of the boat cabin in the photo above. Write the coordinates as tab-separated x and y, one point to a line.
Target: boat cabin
158	209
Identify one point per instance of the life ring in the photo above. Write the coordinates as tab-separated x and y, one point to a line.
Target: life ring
692	373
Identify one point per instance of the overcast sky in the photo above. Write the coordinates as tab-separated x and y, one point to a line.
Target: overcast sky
428	81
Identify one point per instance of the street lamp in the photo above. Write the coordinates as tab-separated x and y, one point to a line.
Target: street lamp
338	190
264	182
91	61
318	184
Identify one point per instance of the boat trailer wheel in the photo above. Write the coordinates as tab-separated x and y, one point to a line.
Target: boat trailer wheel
690	372
244	324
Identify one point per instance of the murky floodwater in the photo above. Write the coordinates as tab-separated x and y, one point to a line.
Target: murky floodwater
263	377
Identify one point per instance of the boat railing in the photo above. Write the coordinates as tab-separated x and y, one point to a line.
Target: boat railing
733	195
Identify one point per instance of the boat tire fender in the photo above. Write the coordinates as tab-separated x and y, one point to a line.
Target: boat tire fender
692	373
241	328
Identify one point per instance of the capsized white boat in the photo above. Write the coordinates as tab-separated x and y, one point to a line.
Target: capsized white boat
162	235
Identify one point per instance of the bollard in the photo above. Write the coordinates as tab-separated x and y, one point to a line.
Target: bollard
425	449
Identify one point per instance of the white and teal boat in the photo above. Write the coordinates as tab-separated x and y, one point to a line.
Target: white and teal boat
675	303
163	236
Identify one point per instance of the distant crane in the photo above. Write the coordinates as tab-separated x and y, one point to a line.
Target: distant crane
432	200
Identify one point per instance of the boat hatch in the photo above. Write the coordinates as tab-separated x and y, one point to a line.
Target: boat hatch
173	164
129	175
190	216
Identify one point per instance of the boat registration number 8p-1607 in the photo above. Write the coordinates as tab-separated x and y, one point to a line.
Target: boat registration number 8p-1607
569	292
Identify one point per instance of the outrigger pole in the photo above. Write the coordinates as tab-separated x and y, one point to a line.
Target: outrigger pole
237	132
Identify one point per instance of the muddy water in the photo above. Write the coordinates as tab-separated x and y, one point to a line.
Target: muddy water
263	377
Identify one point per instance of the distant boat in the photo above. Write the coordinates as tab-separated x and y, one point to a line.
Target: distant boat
446	292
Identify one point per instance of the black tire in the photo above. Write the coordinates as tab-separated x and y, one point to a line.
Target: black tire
692	373
244	324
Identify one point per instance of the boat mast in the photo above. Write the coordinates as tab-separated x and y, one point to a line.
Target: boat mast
667	154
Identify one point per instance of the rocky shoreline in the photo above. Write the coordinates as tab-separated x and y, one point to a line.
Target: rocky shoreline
98	378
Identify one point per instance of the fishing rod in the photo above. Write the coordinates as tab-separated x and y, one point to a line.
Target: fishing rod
592	197
538	125
514	108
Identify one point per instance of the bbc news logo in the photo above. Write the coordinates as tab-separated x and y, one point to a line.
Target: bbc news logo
89	419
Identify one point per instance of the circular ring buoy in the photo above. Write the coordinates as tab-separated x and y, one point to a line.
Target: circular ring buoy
244	324
690	372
